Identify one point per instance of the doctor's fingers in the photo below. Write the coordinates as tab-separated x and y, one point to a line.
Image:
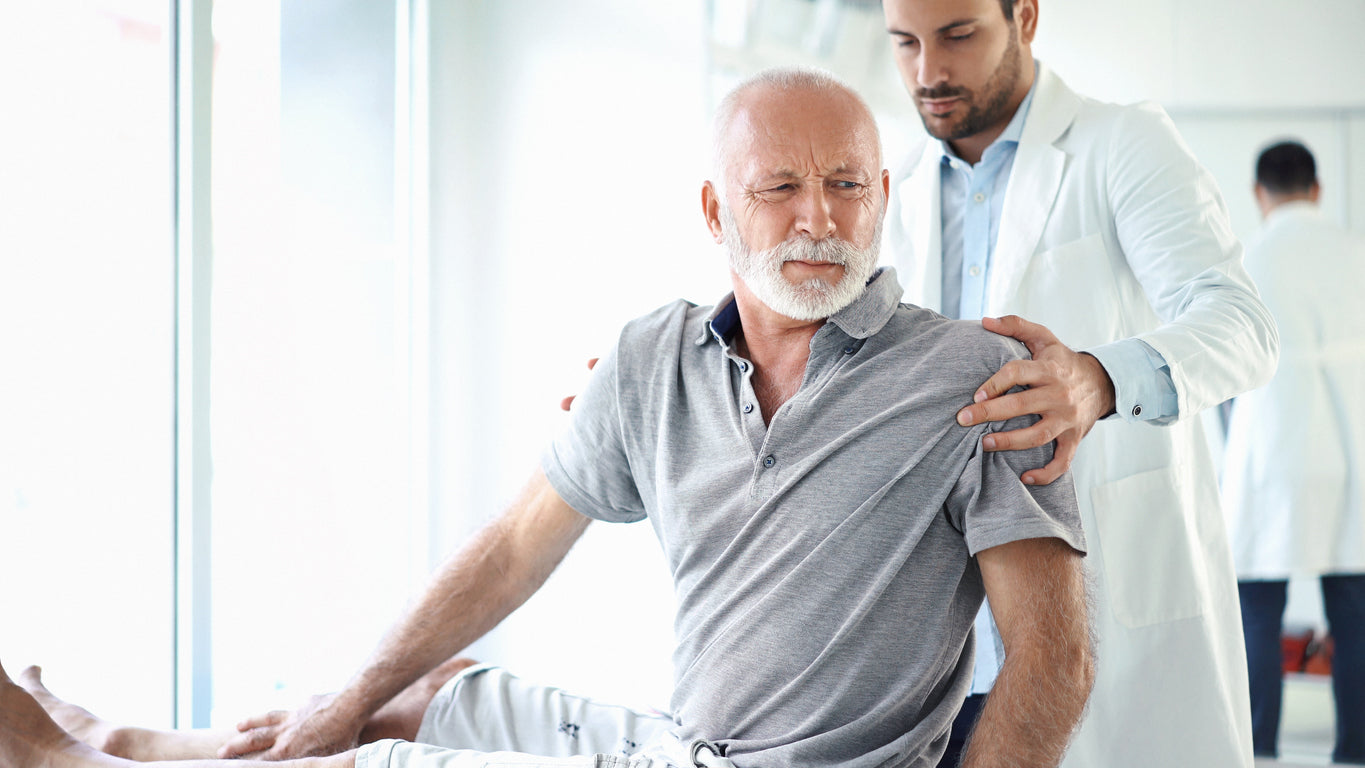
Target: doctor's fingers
1046	392
1034	336
1065	452
1041	432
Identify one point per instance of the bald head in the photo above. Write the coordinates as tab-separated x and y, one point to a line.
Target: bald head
785	94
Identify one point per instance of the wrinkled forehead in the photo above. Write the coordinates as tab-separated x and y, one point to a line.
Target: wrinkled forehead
800	133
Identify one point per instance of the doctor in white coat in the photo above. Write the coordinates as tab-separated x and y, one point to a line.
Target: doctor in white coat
1294	468
1095	223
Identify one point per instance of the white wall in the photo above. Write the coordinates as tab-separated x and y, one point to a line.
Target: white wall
1233	75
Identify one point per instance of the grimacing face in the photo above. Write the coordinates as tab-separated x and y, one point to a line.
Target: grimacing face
962	62
802	167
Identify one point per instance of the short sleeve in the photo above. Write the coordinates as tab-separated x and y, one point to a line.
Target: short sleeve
587	464
991	505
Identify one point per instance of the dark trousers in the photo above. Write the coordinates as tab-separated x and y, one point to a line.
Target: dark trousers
962	730
1343	599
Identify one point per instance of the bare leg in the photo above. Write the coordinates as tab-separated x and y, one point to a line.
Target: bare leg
140	744
402	716
399	719
30	739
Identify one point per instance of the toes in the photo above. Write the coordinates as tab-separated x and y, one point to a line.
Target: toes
31	676
31	680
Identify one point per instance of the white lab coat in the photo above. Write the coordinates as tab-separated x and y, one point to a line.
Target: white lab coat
1295	459
1111	230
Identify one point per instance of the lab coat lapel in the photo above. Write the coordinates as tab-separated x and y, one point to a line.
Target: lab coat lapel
1032	190
920	193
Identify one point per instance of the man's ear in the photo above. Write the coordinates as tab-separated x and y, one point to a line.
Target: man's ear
1026	16
710	208
886	185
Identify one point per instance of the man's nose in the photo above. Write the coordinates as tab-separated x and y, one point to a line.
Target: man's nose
815	219
933	67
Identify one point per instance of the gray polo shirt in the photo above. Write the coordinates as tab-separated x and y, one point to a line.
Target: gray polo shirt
822	564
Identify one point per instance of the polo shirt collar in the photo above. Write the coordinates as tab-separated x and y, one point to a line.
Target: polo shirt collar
868	313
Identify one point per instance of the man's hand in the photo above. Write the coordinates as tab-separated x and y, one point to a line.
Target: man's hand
568	401
313	730
1069	390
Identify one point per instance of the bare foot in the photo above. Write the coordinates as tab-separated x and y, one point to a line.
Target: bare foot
140	744
30	739
76	721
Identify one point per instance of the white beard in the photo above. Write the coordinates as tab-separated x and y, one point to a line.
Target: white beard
814	299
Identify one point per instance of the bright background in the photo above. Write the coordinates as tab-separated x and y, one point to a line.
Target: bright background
425	217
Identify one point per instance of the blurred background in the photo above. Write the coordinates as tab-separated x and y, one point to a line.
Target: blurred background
290	291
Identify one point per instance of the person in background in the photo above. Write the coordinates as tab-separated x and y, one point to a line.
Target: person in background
1093	228
1294	465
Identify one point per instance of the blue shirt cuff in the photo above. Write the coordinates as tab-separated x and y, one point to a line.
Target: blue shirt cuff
1143	390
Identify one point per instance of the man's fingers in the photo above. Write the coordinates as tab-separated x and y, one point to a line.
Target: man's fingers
567	402
1015	373
1061	462
1004	407
273	717
254	740
1034	336
1039	433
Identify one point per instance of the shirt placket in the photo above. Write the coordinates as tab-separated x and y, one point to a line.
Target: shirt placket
975	246
746	401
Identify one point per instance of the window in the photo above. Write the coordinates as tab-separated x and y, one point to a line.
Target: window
310	393
87	279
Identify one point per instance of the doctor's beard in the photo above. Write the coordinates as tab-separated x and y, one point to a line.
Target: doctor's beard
813	299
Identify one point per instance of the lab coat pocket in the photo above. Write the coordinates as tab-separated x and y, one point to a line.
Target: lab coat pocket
1153	562
1081	272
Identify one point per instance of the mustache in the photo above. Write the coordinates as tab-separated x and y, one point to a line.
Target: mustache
941	91
827	250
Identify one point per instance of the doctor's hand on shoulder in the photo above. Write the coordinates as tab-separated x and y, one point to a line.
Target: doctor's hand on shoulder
1070	390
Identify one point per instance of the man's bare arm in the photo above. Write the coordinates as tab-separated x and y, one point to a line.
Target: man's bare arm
491	576
1037	593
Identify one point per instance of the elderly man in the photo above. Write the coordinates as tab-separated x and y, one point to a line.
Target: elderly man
830	528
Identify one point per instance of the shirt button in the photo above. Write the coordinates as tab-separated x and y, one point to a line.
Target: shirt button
975	271
748	407
980	198
1137	411
849	350
769	461
743	367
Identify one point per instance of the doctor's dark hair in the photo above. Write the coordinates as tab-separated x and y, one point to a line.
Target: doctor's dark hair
1286	168
1008	7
